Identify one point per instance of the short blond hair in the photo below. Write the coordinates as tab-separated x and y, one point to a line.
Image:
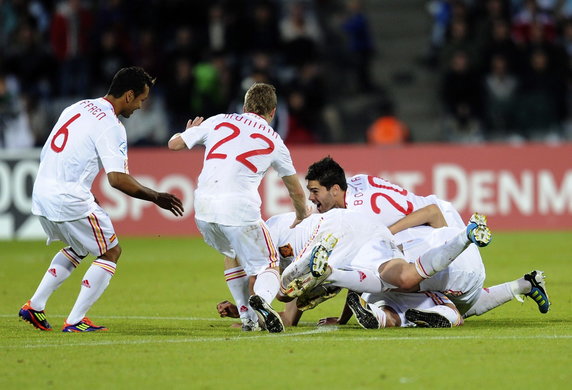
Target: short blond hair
260	99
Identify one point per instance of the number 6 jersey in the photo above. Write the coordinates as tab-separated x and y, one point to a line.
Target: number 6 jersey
87	136
239	149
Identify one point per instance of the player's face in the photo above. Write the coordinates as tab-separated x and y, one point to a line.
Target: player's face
136	103
323	198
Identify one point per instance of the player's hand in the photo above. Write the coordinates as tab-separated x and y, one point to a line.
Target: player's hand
227	309
195	122
328	321
298	219
170	202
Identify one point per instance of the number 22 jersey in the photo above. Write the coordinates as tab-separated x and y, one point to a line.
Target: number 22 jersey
87	136
239	149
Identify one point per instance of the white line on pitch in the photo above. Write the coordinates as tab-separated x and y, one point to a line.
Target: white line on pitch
286	336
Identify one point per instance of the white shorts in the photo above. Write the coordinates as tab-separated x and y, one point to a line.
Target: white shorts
93	234
400	302
251	244
369	257
346	256
463	280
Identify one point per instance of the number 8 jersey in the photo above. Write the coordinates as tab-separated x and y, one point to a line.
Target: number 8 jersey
87	136
239	149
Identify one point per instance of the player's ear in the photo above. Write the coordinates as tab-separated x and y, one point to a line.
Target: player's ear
129	96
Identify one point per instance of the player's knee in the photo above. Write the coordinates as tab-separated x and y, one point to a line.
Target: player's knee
113	254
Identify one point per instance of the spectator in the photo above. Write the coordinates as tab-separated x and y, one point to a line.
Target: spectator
107	58
500	99
150	126
262	33
28	59
15	132
70	35
461	93
542	100
459	40
300	34
178	93
360	44
387	129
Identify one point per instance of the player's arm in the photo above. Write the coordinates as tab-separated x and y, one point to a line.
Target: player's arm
429	215
128	185
341	320
176	142
298	197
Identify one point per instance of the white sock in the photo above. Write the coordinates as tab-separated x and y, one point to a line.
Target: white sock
364	281
495	296
237	282
267	284
439	258
379	314
94	283
62	265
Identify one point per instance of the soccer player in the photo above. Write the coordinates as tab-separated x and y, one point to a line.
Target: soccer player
88	136
463	280
239	150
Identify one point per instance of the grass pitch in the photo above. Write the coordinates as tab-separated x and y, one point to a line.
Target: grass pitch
165	332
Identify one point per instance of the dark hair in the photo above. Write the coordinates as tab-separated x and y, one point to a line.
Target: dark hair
132	78
327	172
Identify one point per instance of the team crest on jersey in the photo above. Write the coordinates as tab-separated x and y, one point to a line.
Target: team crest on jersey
243	309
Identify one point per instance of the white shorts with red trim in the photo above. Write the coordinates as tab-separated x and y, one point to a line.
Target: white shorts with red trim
251	244
93	234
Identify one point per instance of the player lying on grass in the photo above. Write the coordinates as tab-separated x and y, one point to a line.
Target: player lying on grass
410	218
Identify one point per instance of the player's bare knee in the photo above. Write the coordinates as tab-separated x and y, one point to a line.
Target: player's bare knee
112	254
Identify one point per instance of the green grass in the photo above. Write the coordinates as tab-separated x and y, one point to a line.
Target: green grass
165	333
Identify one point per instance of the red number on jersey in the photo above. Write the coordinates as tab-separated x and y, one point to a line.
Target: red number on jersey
377	210
242	158
235	133
257	152
65	132
371	180
400	191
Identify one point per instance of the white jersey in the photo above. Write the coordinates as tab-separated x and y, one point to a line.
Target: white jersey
353	230
87	136
361	243
239	151
389	203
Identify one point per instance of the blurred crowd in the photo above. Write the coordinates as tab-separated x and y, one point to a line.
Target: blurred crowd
504	65
506	68
204	53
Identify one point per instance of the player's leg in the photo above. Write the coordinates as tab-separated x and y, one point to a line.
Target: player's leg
237	278
254	247
98	236
438	258
310	268
531	285
60	268
238	283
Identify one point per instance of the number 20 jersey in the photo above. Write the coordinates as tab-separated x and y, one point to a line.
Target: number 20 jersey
87	136
389	203
239	149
